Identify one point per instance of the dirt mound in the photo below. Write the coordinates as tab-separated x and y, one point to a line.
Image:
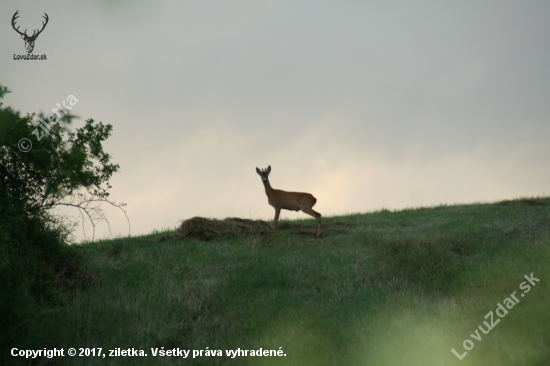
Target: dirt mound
208	229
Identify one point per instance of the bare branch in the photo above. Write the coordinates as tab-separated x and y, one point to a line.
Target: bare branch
90	207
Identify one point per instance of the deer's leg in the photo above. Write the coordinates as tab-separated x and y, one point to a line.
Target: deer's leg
316	215
277	212
318	223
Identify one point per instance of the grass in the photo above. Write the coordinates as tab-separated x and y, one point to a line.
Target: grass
383	288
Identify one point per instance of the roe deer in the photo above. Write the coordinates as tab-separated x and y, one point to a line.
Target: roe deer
293	201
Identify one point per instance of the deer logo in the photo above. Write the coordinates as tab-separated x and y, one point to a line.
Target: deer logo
29	40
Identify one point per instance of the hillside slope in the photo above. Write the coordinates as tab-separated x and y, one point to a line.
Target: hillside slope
383	288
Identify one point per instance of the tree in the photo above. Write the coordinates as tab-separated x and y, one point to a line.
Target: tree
57	168
61	168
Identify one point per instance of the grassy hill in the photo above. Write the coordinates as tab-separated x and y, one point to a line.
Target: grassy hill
383	288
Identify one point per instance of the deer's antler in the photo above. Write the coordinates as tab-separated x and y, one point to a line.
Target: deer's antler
43	26
34	34
15	16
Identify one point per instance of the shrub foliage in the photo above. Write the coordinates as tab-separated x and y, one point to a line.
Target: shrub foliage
63	168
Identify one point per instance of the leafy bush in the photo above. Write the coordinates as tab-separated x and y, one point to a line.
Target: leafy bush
63	168
29	251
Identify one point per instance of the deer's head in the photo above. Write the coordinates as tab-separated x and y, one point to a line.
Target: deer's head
29	40
264	173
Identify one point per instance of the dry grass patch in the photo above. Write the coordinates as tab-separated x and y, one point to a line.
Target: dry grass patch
209	229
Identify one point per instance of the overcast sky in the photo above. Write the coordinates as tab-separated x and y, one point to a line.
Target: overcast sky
364	104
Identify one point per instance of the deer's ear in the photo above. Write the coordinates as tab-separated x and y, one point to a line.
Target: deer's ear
23	36
268	169
258	171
